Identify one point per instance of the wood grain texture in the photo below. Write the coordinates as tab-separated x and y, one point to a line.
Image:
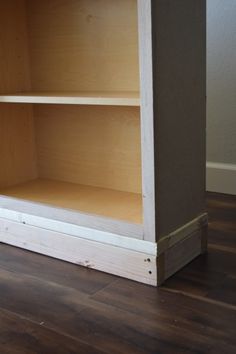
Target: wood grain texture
124	262
47	304
98	146
14	59
83	45
179	57
86	199
147	118
17	145
30	337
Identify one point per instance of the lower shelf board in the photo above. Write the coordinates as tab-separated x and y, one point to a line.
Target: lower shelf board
93	200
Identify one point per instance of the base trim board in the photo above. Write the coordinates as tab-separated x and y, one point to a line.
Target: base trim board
221	178
181	253
148	265
119	261
183	232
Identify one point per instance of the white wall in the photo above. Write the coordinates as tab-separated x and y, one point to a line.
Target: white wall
221	94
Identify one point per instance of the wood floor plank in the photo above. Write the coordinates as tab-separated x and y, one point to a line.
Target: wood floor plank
110	328
68	311
19	336
201	326
226	292
205	273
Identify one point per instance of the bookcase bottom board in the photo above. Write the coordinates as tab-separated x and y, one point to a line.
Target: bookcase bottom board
88	199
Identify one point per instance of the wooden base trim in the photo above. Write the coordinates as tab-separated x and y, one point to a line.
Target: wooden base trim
119	261
182	233
138	260
180	254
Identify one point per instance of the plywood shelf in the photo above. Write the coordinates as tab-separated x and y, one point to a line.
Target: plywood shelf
75	98
87	199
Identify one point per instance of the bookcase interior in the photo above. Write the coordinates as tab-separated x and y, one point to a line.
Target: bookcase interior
93	151
69	46
84	155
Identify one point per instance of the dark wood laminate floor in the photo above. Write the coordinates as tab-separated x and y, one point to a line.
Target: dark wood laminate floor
48	306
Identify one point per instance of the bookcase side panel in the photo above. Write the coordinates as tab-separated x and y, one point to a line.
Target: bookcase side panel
179	72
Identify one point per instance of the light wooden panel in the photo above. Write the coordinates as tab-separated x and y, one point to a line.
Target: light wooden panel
14	60
17	151
147	118
94	200
79	98
98	146
84	45
17	145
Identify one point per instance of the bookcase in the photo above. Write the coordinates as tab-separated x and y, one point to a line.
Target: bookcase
102	132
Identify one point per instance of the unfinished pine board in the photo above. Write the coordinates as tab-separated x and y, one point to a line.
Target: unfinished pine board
14	58
128	263
147	118
93	200
98	146
17	145
77	98
83	45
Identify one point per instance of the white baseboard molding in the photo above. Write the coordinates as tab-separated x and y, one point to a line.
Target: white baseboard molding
221	178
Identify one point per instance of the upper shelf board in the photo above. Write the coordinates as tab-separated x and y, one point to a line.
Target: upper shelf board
76	98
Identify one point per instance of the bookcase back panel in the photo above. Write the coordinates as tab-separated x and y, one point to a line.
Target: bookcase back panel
97	146
17	145
14	56
83	45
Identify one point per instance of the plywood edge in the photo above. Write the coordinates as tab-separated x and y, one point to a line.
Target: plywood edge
81	98
147	118
122	262
181	248
119	227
